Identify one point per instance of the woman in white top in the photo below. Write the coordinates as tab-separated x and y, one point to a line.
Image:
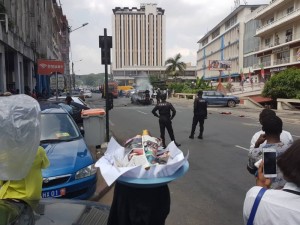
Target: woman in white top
278	206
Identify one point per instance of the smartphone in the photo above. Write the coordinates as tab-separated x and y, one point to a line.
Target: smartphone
270	165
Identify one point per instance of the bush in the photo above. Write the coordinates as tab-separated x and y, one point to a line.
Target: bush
283	85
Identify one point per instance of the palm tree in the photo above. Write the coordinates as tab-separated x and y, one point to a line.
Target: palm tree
174	66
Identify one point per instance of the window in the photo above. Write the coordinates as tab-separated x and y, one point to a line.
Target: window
267	42
289	35
205	41
290	10
271	20
215	33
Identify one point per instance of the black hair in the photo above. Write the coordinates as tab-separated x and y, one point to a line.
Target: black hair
163	97
289	163
271	125
266	113
68	99
200	93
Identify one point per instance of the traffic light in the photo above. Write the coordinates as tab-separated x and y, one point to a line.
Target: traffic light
105	43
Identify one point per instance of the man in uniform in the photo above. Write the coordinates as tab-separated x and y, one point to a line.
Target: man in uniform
200	114
165	109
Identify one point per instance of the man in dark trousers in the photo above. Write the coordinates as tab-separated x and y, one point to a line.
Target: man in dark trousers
165	109
200	114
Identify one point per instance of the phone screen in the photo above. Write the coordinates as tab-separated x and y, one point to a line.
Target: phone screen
269	162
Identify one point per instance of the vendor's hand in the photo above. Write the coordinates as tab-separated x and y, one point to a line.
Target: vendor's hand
261	180
260	140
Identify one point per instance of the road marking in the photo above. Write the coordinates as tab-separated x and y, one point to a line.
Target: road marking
295	136
251	124
246	149
142	112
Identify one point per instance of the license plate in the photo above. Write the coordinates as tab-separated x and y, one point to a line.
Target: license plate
54	193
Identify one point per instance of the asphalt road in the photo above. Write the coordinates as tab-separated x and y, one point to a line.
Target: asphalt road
213	190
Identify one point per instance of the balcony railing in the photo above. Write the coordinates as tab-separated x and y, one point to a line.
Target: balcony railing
282	61
282	19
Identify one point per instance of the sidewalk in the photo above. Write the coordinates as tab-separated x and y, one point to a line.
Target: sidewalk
287	116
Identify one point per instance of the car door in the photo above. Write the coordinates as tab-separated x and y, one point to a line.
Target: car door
219	98
209	97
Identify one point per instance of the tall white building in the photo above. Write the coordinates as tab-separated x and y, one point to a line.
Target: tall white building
279	35
138	41
225	42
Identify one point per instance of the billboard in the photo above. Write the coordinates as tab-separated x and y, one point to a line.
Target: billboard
48	67
219	65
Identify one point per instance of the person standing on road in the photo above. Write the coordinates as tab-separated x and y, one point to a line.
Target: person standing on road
200	114
165	119
158	96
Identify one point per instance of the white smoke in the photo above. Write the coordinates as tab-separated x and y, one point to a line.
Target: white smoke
143	83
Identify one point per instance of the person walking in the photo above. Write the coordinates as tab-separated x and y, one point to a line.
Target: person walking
200	114
165	119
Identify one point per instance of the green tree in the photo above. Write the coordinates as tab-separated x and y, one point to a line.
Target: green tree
283	85
174	66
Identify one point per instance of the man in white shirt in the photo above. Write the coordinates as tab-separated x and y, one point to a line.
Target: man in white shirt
277	206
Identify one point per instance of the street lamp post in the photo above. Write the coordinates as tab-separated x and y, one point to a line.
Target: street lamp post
68	72
73	75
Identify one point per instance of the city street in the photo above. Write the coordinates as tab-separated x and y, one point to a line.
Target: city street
213	190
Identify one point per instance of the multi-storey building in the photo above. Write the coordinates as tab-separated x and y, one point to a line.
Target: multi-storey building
30	30
279	35
225	42
139	44
138	41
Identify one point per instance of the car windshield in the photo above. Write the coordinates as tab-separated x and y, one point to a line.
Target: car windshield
58	127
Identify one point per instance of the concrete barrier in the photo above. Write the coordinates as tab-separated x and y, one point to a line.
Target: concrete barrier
285	104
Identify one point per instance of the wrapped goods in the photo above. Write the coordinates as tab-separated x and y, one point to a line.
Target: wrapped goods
19	135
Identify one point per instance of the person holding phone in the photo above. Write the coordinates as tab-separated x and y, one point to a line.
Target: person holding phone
258	139
277	206
272	126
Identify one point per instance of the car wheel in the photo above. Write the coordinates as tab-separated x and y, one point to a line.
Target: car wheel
231	103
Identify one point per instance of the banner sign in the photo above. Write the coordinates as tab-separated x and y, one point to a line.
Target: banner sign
219	65
49	67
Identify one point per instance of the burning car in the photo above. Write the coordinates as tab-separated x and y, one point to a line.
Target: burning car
142	97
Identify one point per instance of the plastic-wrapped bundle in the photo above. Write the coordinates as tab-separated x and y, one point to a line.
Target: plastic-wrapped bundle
19	135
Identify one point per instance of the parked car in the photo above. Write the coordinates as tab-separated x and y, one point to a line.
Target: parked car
87	94
77	105
53	211
218	98
71	173
76	99
141	97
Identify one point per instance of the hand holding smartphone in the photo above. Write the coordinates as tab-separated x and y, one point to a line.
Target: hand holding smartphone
270	162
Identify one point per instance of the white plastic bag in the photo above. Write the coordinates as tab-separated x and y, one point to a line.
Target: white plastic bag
20	117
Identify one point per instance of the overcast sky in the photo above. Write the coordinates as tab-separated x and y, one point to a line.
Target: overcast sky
186	22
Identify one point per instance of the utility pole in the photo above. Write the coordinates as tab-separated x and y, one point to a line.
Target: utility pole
105	43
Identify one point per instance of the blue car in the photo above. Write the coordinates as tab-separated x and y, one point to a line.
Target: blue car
71	173
218	98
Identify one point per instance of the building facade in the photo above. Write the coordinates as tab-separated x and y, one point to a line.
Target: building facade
30	30
138	41
279	37
225	42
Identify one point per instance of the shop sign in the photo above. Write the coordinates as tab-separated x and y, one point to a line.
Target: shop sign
278	69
